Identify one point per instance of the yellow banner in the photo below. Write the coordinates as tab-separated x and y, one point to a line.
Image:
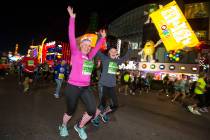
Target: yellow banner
173	28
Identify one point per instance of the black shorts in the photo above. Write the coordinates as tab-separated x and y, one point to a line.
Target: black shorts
74	93
29	75
202	100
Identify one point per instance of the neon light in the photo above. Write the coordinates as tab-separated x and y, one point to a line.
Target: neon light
144	66
50	43
41	50
182	68
152	66
194	69
171	67
162	67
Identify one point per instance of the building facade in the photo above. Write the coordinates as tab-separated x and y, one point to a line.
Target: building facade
130	27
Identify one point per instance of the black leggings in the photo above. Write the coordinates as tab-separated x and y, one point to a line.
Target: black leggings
109	92
73	93
202	100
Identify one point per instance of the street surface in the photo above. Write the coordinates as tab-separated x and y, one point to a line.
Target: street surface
37	115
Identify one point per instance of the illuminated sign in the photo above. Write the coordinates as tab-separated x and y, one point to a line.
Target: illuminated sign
152	66
171	67
182	68
162	67
131	65
40	54
35	51
194	69
144	66
32	47
50	43
173	28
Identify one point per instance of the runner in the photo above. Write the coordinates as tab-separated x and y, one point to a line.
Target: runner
126	81
180	91
4	65
107	82
29	65
60	72
20	72
79	79
200	90
45	71
166	84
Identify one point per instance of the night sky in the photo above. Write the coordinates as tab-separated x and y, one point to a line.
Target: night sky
22	22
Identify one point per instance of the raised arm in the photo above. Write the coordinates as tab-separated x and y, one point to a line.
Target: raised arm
98	45
102	56
71	29
158	43
125	57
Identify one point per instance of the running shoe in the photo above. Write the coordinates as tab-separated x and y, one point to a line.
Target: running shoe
104	118
56	96
197	112
204	110
25	90
81	132
201	110
190	108
95	121
63	131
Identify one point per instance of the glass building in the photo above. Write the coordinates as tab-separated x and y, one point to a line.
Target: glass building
130	28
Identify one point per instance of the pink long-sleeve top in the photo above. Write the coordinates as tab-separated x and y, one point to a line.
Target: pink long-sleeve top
81	64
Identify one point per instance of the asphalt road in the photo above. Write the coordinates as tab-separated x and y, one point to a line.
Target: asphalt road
36	116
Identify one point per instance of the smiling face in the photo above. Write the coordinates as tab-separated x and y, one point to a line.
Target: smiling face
113	53
85	46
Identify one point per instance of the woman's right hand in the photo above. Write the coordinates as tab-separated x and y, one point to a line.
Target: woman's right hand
102	33
71	12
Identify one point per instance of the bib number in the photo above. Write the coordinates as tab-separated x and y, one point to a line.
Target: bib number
61	76
113	67
87	67
30	62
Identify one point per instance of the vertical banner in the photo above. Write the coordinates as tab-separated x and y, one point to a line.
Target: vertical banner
173	28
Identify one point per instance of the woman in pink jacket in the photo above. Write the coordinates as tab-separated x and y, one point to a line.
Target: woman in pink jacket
79	79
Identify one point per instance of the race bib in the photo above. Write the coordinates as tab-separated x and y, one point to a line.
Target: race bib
30	62
3	60
61	76
87	67
113	67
